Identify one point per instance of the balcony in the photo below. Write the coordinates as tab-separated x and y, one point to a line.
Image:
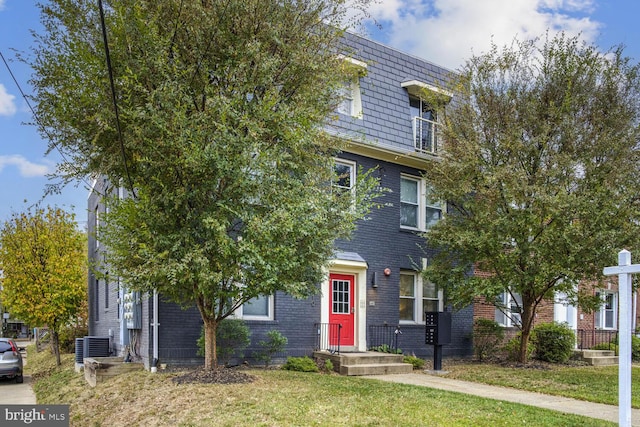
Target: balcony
425	135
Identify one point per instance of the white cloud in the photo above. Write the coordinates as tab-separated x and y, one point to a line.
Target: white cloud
27	169
7	106
2	4
447	32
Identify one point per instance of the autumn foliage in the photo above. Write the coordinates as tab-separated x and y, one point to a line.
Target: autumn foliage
43	260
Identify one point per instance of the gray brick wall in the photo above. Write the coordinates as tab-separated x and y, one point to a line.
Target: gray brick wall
385	122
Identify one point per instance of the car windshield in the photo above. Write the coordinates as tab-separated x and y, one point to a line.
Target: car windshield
5	346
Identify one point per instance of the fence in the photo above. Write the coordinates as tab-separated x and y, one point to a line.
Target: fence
383	338
589	338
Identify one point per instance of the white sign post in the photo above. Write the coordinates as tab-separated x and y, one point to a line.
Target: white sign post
624	270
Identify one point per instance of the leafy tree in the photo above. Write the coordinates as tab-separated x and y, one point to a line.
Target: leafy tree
540	171
43	260
223	108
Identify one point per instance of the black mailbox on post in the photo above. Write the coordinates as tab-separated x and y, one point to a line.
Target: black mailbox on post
437	333
438	327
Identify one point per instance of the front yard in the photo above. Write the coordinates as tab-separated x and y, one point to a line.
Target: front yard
591	383
275	398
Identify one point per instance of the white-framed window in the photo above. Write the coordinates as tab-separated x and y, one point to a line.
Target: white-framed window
259	308
345	174
508	310
417	210
425	126
607	316
96	223
349	93
417	296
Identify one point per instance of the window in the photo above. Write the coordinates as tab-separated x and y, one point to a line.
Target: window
106	291
259	308
607	315
97	294
96	223
349	93
417	296
425	122
423	115
345	174
118	298
417	210
508	309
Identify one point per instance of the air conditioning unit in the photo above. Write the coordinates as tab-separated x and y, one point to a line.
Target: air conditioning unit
79	351
96	347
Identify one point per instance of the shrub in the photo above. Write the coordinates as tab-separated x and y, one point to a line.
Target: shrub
613	345
554	342
417	362
232	337
386	348
301	364
512	347
328	366
68	334
275	343
488	335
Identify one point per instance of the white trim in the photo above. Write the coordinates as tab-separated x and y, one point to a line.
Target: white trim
353	61
414	87
359	270
418	297
600	318
270	307
422	203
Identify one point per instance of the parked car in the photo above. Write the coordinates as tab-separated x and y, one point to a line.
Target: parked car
10	360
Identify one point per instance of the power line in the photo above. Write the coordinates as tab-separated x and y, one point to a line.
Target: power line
113	98
33	112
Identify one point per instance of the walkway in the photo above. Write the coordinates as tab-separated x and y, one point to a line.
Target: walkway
556	403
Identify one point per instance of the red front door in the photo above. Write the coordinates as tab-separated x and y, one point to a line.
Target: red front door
342	307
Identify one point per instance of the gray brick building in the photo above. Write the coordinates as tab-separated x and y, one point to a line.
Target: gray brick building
374	277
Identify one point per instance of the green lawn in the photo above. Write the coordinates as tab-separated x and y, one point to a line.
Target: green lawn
276	398
591	383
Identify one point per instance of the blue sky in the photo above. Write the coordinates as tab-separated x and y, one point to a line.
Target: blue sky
442	31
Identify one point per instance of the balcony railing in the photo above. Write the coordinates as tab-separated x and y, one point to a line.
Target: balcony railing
425	135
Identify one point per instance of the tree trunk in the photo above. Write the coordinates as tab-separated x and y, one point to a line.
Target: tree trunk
55	345
527	323
210	345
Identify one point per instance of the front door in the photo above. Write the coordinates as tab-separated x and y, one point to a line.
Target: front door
342	307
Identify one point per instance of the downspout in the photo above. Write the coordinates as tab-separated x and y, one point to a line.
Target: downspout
154	361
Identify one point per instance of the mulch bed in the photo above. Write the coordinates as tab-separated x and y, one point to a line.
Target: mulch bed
214	376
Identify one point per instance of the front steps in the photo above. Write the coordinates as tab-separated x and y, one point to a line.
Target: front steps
599	357
369	363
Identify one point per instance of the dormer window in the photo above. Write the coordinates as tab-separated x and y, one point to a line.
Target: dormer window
423	98
349	93
425	122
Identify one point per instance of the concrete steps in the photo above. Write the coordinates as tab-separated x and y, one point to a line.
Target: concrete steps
366	363
599	357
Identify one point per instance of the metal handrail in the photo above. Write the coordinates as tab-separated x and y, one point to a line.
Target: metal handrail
589	338
328	337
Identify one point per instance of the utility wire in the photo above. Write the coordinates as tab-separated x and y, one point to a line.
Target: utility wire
113	97
35	116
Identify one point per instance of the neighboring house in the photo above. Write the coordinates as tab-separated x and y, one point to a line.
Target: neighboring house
373	283
591	328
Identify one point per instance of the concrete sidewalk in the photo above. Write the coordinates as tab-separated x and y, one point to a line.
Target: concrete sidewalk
555	403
